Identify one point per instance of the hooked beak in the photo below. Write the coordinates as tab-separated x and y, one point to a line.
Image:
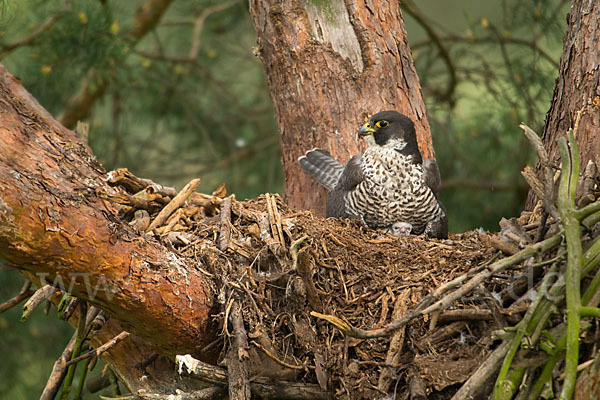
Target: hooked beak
365	130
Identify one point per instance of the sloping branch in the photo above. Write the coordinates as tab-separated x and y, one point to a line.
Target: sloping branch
53	214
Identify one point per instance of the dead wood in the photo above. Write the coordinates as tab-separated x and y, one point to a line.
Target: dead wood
174	204
260	387
211	393
100	349
40	295
237	357
131	183
225	221
395	349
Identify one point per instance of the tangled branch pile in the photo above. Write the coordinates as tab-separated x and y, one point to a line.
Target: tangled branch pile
315	308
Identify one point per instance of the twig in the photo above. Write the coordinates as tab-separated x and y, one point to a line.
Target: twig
277	360
79	342
23	294
225	224
101	349
27	39
542	228
395	348
302	264
237	357
274	219
548	184
266	388
411	9
493	269
129	181
36	299
174	204
199	24
59	370
493	39
502	389
210	393
473	386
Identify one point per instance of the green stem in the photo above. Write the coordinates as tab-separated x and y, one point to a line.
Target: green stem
82	376
546	374
566	208
591	290
76	350
589	311
502	388
587	210
511	384
590	256
592	220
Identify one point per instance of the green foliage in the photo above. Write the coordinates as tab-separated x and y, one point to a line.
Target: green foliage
29	350
505	61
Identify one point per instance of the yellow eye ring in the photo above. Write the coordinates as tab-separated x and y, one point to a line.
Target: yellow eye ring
382	124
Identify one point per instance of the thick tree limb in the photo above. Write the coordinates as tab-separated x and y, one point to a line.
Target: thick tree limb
52	214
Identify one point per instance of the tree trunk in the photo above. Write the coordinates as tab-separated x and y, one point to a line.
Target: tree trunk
329	65
56	223
577	87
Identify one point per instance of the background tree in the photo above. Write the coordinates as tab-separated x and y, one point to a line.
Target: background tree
329	65
188	98
578	88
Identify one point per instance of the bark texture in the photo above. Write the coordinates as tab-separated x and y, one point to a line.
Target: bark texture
55	224
577	87
329	64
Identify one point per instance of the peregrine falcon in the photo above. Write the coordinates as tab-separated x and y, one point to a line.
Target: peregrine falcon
389	187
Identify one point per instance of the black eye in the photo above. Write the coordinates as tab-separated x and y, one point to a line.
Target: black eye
382	124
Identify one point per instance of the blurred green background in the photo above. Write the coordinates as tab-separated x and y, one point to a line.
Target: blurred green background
189	99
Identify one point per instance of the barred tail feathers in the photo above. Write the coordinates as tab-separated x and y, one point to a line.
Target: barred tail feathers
323	167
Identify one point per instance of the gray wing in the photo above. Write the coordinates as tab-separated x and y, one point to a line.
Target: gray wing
351	176
323	167
431	176
438	227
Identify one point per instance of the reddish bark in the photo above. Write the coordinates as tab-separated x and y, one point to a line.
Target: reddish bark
577	87
54	220
329	65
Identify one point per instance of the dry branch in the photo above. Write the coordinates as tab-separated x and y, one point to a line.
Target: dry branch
40	295
174	204
129	181
101	349
237	358
396	344
267	389
225	221
23	294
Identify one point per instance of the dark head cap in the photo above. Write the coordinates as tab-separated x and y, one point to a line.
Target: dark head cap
387	125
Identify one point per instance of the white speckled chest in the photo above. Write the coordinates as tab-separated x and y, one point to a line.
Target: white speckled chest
392	191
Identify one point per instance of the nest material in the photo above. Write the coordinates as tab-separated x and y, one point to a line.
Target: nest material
279	265
293	282
359	275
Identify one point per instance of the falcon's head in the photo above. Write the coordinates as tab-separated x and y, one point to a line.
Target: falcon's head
392	130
